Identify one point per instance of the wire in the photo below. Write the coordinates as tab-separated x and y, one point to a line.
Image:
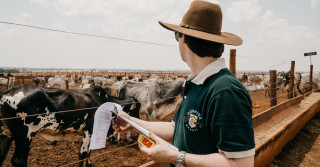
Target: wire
254	58
65	111
83	34
99	154
282	96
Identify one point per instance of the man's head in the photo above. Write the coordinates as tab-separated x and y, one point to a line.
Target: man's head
201	29
204	48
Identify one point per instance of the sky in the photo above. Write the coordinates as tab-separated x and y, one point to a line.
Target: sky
275	32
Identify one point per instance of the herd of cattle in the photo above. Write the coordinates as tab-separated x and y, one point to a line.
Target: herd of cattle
261	82
150	98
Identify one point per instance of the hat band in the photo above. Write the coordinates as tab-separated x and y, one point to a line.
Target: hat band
199	29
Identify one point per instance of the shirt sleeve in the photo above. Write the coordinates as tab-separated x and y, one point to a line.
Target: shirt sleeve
231	123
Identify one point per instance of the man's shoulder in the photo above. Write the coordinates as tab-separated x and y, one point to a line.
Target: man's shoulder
224	80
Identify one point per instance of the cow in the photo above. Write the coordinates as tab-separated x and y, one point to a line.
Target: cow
266	82
86	80
108	82
251	87
39	80
304	84
4	81
29	99
56	81
158	98
242	77
297	77
97	81
137	78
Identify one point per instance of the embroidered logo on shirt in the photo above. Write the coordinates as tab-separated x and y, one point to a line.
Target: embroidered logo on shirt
192	120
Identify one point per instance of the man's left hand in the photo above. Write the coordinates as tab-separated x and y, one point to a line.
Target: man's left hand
162	152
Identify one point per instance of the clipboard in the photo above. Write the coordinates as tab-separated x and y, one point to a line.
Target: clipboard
144	138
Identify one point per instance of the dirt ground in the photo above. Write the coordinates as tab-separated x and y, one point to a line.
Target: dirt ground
301	151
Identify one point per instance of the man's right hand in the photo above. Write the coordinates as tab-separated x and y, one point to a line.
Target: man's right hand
120	125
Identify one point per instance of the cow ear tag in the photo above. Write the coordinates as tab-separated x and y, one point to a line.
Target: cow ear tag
146	141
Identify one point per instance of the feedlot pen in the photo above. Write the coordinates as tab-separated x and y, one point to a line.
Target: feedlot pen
302	151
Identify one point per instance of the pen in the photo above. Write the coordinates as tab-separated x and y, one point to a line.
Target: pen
114	118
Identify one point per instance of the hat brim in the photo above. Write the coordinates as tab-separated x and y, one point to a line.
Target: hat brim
225	37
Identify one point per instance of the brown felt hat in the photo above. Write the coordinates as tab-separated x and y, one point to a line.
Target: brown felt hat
204	20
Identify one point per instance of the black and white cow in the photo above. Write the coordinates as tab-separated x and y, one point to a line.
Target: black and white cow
158	98
40	80
296	82
29	99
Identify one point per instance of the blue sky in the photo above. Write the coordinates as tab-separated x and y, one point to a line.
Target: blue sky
274	33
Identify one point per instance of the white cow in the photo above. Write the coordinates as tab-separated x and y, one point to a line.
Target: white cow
108	82
4	82
56	81
266	83
260	86
304	85
97	81
157	99
251	87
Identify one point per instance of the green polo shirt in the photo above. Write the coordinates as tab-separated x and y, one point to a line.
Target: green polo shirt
215	115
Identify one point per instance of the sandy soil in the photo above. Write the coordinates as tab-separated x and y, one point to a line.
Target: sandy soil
302	151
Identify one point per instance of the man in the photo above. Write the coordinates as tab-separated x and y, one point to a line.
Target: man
213	124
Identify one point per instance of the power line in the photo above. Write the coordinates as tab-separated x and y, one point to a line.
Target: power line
83	34
254	58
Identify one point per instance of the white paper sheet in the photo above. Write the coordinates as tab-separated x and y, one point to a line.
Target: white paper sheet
101	125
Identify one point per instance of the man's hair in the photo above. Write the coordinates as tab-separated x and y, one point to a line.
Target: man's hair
204	48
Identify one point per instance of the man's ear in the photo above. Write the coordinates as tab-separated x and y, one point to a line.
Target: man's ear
183	38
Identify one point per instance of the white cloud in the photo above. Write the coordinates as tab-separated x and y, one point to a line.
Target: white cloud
315	4
266	36
280	31
43	3
25	16
243	11
124	19
270	37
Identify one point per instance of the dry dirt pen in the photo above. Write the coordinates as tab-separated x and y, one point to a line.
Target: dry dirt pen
43	153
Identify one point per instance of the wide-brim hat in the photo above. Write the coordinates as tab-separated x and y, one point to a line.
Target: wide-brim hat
204	20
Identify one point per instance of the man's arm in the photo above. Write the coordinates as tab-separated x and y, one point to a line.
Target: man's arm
217	159
162	129
163	153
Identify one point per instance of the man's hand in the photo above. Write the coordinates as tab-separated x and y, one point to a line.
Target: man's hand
120	125
161	152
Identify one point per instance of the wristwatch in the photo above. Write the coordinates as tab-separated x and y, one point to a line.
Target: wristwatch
180	160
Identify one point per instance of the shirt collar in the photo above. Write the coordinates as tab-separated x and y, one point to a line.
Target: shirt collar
209	70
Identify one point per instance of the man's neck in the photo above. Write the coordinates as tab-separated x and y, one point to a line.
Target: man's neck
197	64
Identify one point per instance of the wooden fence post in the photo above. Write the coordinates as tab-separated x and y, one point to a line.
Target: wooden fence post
310	77
232	61
291	84
273	88
8	82
67	85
